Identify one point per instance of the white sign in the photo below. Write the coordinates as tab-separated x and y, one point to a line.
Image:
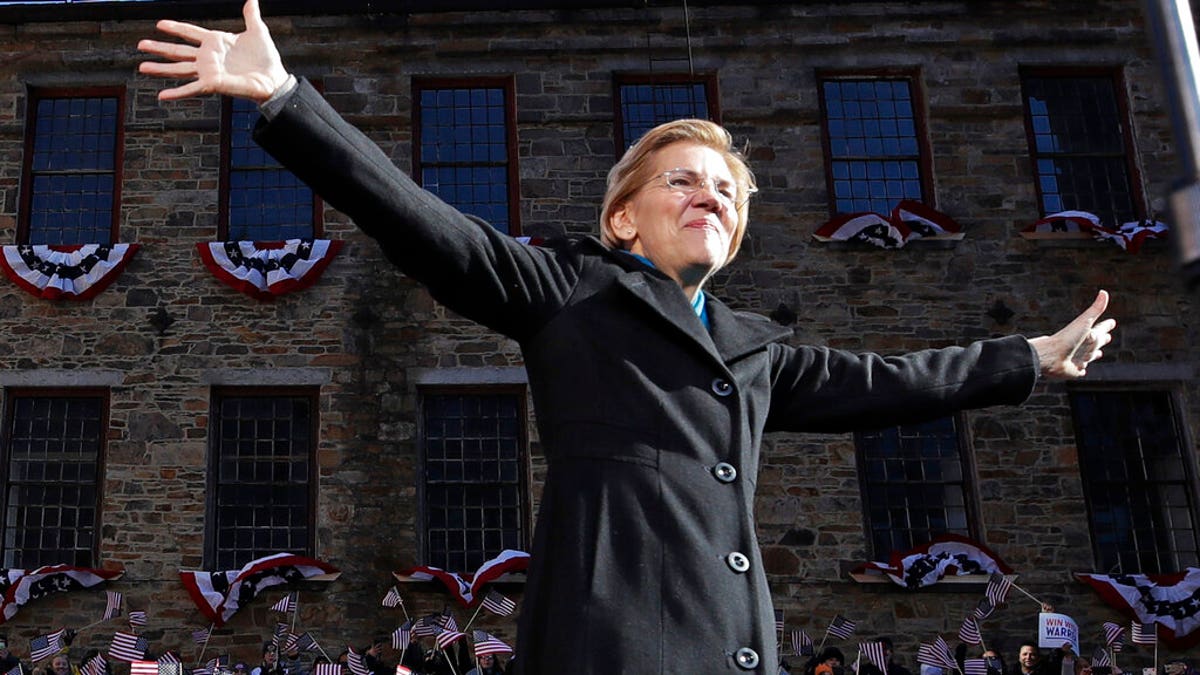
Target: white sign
1056	630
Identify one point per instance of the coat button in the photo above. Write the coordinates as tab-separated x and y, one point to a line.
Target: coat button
737	562
725	472
747	659
721	387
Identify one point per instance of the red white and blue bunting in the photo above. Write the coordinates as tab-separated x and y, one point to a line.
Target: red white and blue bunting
18	587
466	590
266	270
219	595
77	272
1129	236
909	220
1170	600
927	564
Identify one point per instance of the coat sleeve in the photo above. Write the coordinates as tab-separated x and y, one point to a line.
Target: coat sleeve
467	265
827	390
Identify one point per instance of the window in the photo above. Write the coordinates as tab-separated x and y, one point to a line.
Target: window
1080	145
260	200
1137	481
646	101
70	187
465	147
474	475
875	143
261	475
915	484
53	451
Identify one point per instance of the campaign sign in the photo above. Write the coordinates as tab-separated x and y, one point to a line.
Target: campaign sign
1055	630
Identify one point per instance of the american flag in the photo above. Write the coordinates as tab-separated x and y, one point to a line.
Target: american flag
841	627
45	646
169	657
113	609
779	621
303	642
1100	658
1144	633
175	668
286	604
447	637
200	637
16	670
94	666
975	667
998	587
354	661
278	638
984	609
327	669
392	599
969	632
937	654
137	619
128	647
486	643
1114	633
802	644
447	622
426	627
140	667
874	653
402	635
497	604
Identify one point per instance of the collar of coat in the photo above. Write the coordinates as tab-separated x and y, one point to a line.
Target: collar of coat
733	335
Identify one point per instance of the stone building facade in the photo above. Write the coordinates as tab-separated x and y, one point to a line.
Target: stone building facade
366	352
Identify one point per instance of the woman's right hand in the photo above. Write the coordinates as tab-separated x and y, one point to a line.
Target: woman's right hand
245	65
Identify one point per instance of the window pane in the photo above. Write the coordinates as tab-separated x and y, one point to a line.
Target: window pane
266	201
913	484
874	150
463	154
262	497
472	479
53	489
72	170
1079	147
647	105
1135	481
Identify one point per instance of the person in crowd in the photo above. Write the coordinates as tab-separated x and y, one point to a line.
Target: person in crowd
60	664
893	668
270	661
828	662
413	656
8	660
293	662
652	395
995	663
487	664
373	657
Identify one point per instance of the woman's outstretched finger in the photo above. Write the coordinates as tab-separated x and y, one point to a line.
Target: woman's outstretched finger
180	70
186	31
168	50
184	91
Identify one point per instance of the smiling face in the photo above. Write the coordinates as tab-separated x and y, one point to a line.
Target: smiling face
687	235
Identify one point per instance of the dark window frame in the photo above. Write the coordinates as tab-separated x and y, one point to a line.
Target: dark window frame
219	393
920	121
508	84
622	79
1190	481
968	482
225	178
520	393
1121	96
10	397
37	94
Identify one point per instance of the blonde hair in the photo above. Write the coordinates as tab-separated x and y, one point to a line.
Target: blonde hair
635	169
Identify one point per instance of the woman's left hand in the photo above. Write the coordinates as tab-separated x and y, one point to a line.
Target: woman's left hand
1067	353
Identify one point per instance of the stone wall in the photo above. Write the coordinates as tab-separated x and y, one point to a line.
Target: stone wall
364	331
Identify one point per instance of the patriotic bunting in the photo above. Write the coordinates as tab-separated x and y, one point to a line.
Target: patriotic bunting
1172	601
45	646
1129	236
946	555
486	643
266	270
466	592
219	595
65	272
909	220
128	647
18	587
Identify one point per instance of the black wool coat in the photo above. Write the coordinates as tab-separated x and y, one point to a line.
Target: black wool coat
645	558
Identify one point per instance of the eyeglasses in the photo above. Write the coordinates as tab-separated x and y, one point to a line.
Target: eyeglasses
686	181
